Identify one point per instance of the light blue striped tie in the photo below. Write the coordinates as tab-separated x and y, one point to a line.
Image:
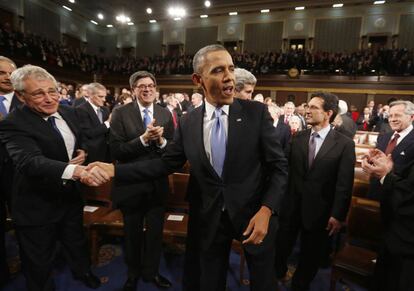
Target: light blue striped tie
3	110
218	142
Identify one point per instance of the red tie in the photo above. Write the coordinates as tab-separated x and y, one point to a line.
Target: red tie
174	117
392	144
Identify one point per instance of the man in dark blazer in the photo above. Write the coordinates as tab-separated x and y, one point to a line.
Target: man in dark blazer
395	262
8	103
321	177
366	121
84	96
282	130
94	122
401	116
140	131
238	174
44	143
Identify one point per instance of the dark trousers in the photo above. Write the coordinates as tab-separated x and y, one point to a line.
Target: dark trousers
143	250
214	261
4	270
393	272
38	247
314	246
285	241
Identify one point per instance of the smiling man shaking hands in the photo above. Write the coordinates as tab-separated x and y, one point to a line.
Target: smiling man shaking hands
238	174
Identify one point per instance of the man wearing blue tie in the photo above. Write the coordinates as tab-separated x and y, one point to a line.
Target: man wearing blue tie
141	131
238	175
8	101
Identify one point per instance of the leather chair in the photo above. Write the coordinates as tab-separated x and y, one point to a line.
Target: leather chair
355	261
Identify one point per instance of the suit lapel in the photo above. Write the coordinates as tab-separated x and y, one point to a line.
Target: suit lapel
303	142
92	114
327	145
408	140
15	103
235	130
139	122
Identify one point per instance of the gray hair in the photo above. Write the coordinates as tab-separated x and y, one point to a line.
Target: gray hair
28	71
290	103
197	95
409	106
243	77
140	75
201	54
7	60
94	87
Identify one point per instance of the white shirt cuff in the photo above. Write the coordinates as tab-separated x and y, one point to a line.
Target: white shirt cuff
68	172
164	144
107	124
143	142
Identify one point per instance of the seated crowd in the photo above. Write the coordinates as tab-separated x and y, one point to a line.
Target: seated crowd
362	62
55	136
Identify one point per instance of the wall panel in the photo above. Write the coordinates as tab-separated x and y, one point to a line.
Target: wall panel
262	37
198	37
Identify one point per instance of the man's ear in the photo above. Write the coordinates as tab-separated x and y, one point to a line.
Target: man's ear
196	79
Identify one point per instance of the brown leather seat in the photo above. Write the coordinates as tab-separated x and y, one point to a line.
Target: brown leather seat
355	261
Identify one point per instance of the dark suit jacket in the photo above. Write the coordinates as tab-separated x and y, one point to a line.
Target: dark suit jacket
284	135
6	164
78	101
254	172
95	132
397	209
348	126
360	122
126	147
325	189
40	196
403	153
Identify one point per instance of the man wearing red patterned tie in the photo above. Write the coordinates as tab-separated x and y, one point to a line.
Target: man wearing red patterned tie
399	143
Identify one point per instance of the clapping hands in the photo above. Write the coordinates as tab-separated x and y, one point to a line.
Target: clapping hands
377	164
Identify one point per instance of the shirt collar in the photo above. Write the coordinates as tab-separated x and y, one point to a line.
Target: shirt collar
210	109
9	96
323	132
93	105
404	132
56	115
150	108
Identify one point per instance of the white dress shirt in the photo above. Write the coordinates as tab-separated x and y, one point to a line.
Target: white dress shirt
402	133
321	138
8	100
208	122
69	140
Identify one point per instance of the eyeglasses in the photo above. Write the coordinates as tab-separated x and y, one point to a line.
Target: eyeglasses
143	86
41	94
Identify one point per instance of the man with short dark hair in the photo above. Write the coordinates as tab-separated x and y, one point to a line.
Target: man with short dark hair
45	144
141	130
321	177
234	191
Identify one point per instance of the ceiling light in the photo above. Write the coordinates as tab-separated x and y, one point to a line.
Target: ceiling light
207	3
100	16
300	8
109	25
149	10
177	18
152	21
204	16
94	22
233	13
177	12
67	8
338	5
72	1
130	23
265	11
379	2
122	18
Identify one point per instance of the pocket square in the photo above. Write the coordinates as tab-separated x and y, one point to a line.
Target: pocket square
402	154
238	119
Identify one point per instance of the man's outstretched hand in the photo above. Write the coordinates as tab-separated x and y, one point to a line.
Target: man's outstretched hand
98	173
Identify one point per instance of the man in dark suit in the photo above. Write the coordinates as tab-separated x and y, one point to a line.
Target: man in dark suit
94	121
366	120
8	102
399	143
233	190
395	262
282	130
321	177
44	143
140	131
343	123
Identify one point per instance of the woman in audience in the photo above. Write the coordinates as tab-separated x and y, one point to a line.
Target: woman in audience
123	99
64	98
295	124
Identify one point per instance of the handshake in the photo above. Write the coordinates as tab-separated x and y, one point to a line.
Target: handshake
94	174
